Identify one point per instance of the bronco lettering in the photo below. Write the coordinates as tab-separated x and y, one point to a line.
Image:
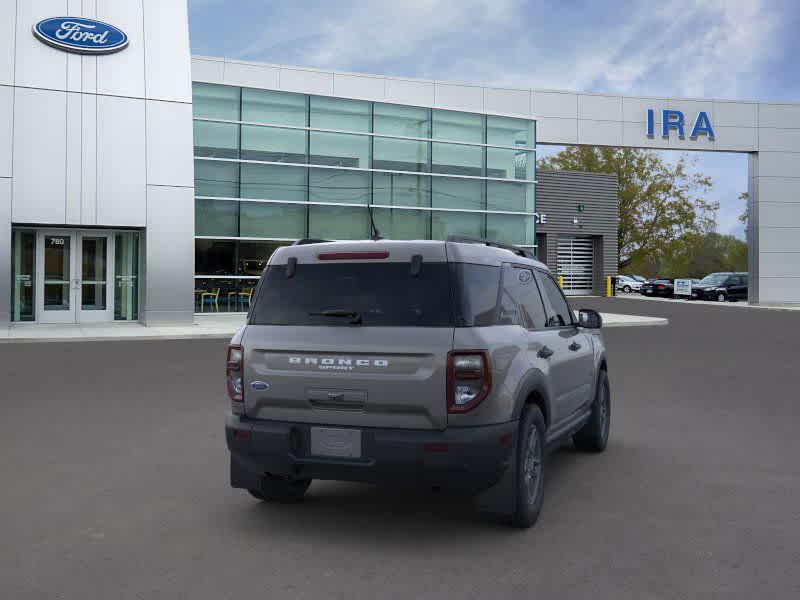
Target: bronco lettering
345	363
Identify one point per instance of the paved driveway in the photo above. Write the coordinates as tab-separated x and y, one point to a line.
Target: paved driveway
114	483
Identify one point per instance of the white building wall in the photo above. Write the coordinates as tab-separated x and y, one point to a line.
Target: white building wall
83	139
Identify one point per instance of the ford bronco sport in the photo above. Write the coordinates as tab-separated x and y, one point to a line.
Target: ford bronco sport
451	364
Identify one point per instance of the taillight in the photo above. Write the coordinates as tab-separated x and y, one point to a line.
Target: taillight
661	287
234	374
469	379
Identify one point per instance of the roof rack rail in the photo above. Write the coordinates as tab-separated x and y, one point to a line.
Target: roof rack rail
305	241
515	249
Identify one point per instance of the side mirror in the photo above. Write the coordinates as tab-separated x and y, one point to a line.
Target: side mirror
590	319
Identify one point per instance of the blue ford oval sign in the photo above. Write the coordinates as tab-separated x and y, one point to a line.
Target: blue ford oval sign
76	34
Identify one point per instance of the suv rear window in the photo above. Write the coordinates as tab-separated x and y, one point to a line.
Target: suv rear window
381	294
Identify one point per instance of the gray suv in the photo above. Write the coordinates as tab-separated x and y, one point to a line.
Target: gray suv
448	364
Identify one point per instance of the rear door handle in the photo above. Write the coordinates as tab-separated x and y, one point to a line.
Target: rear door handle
574	346
544	352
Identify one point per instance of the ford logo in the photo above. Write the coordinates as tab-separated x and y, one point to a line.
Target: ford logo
84	36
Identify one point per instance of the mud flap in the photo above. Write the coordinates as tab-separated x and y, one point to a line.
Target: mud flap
501	498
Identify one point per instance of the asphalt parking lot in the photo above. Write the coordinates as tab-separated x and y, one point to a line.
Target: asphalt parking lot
114	483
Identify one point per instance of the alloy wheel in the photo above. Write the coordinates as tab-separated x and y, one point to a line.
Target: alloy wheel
603	407
532	467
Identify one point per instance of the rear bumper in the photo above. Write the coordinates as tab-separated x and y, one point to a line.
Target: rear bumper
462	458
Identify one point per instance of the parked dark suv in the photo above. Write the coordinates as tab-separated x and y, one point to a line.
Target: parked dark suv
451	365
722	287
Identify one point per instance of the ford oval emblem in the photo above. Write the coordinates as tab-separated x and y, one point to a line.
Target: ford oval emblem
260	385
84	36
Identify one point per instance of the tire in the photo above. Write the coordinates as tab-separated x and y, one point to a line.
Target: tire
529	468
277	489
721	297
627	289
593	436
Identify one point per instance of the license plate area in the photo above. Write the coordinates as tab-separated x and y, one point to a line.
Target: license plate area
335	442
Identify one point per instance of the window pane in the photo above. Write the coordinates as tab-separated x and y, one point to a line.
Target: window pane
506	131
383	293
401	190
336	113
454	223
338	223
400	224
339	150
23	259
216	217
273	182
521	303
281	108
562	314
506	195
216	139
476	294
259	219
253	256
215	295
408	121
126	276
57	259
457	126
457	159
509	164
213	178
400	155
214	257
336	185
273	144
215	101
510	229
451	192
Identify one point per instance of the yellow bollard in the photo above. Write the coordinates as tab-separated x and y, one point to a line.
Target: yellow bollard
561	281
608	287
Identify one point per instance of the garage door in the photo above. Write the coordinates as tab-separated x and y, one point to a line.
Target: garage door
576	264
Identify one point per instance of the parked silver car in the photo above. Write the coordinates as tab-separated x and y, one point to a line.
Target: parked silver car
452	365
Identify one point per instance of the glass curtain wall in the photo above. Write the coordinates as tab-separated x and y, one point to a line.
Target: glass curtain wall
272	167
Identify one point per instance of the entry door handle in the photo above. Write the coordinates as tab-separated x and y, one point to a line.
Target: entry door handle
574	346
544	352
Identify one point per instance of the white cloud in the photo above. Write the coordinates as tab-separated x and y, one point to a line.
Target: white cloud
686	47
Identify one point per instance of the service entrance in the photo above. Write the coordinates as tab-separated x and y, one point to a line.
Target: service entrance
575	264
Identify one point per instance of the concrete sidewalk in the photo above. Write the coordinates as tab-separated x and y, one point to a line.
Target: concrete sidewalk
206	326
737	304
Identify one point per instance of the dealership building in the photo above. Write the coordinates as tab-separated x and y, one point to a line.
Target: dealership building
139	183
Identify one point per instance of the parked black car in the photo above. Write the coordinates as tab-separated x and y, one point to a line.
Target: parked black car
721	287
663	288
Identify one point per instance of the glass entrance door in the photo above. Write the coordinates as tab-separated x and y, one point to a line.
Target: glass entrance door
94	300
56	277
74	272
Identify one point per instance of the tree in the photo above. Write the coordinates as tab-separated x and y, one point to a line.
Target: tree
659	202
745	216
695	255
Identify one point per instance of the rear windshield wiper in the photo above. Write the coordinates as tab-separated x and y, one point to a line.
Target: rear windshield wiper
355	318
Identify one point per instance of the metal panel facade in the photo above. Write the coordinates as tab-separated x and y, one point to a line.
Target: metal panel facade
74	129
560	194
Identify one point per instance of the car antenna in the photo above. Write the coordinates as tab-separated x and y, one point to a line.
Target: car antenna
375	234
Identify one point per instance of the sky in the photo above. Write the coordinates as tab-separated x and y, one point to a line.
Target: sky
732	49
